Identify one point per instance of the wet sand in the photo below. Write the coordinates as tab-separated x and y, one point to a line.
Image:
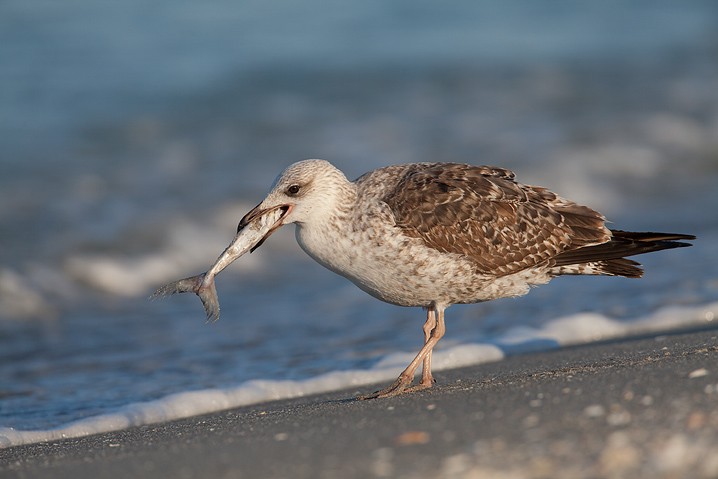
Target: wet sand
637	407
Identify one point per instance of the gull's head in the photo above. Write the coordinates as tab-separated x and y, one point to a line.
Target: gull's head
306	191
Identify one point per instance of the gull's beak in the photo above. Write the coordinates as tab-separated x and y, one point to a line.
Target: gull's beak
257	212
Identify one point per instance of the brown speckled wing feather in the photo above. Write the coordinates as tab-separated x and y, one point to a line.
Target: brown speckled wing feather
480	212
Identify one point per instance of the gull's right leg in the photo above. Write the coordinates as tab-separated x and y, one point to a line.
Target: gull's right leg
403	382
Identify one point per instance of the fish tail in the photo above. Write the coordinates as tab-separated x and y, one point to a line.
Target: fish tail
208	294
197	285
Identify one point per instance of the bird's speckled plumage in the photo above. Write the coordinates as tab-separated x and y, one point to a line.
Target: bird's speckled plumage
444	233
437	234
483	214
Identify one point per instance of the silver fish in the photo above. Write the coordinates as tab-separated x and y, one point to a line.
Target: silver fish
253	230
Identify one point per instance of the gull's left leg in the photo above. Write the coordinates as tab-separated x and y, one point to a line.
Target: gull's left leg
427	380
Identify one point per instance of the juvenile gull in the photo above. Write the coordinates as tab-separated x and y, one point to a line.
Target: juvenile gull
433	235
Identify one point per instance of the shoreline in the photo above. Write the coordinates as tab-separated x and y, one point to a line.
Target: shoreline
641	406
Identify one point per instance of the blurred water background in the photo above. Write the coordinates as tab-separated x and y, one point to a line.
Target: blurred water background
135	135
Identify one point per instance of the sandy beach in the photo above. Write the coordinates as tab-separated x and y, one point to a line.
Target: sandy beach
638	407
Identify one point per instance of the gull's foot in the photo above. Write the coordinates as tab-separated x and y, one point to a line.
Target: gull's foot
421	386
397	387
400	386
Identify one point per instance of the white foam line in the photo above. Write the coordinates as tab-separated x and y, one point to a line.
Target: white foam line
193	403
587	327
575	329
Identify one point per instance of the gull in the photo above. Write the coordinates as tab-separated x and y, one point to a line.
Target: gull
431	235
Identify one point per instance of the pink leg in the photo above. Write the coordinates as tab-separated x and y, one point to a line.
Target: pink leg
427	380
404	380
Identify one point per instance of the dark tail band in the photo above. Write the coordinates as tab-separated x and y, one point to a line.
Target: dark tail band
610	255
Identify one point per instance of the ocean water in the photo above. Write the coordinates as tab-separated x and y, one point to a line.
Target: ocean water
133	140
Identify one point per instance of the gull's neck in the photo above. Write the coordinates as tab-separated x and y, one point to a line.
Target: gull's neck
325	234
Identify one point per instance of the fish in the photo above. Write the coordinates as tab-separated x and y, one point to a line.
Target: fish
253	229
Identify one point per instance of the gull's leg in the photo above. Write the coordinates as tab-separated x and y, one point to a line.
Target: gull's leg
404	380
427	380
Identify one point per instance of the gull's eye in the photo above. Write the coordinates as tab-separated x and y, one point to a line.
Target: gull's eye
293	190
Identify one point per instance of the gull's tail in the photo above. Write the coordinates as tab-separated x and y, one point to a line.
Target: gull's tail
609	258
